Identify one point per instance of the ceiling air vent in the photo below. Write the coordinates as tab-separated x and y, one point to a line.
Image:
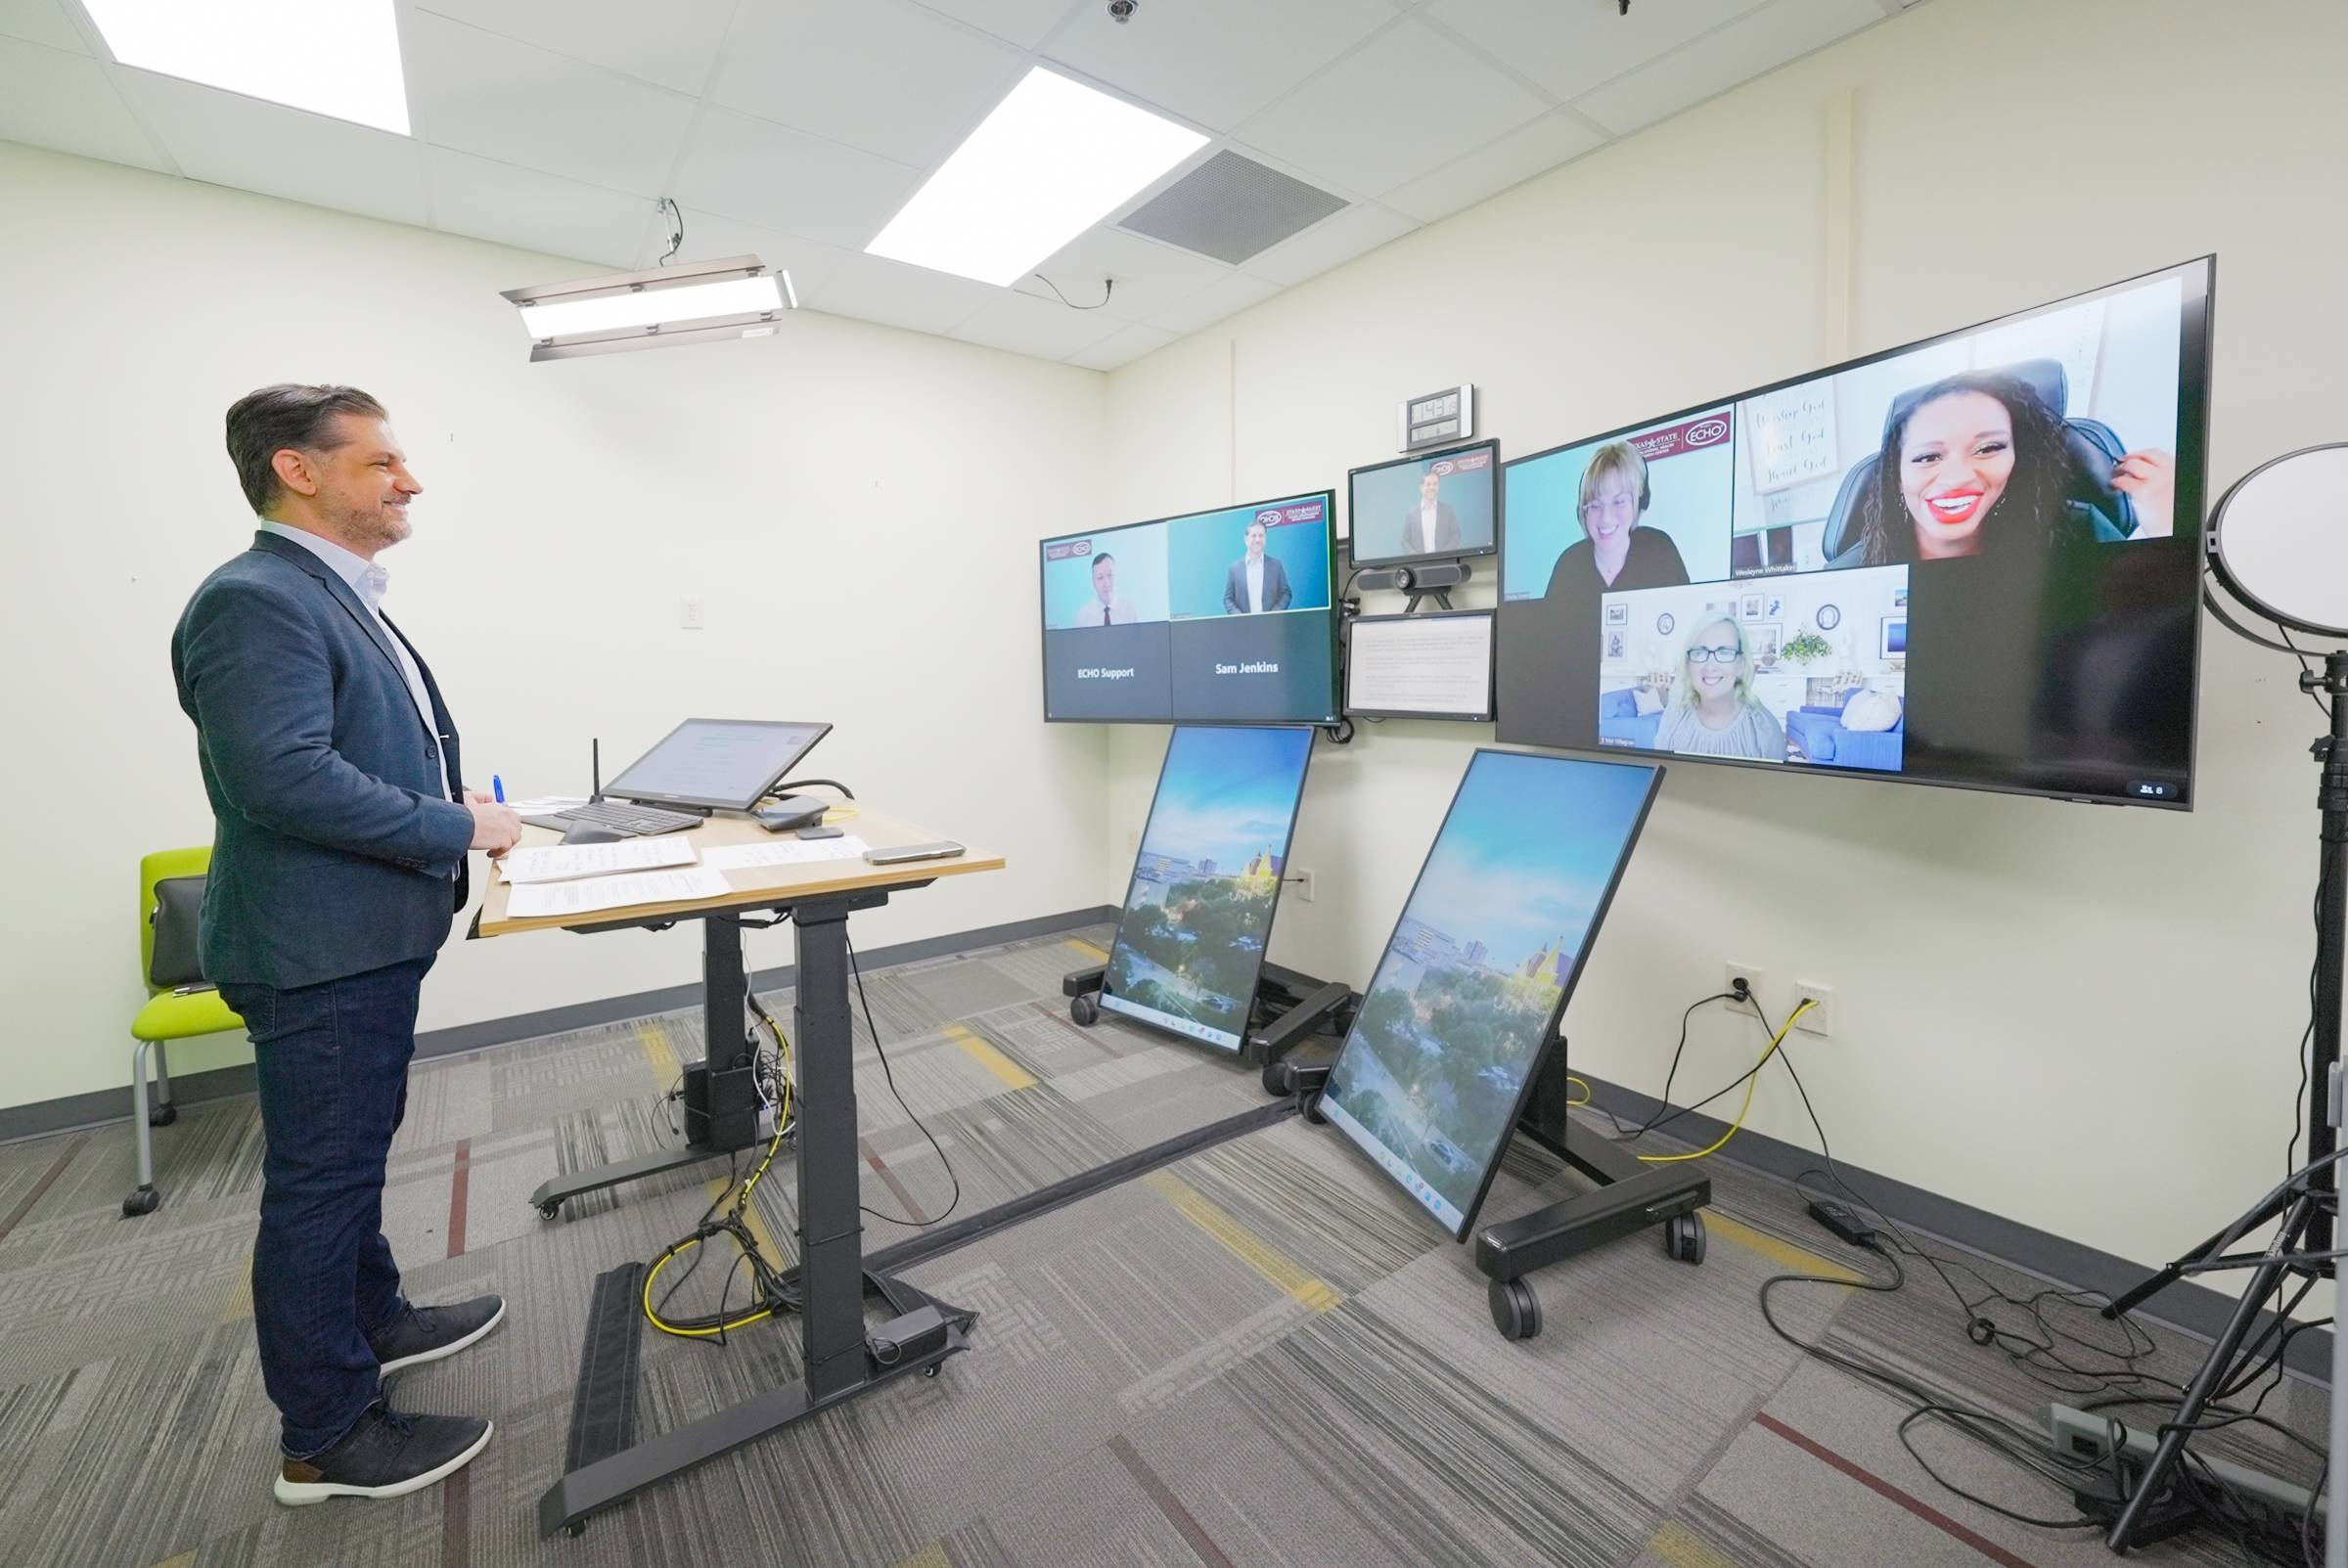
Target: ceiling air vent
1231	208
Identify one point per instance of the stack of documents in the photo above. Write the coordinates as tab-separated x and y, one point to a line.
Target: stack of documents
560	863
784	852
557	879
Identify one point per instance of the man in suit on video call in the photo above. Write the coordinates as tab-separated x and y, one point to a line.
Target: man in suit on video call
1107	607
1256	582
1430	526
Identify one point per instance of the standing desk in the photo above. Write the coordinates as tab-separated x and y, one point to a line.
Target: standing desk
838	1363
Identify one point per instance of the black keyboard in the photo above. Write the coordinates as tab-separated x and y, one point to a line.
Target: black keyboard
642	822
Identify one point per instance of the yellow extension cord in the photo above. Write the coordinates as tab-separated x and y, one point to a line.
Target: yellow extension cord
1750	1084
652	1315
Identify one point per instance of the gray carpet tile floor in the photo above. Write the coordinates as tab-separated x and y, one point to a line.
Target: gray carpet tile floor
1258	1354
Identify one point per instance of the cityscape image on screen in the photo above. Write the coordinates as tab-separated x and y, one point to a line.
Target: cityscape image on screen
1198	915
1434	1071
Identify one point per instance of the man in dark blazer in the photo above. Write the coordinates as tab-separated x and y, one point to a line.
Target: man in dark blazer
1255	582
1432	516
339	861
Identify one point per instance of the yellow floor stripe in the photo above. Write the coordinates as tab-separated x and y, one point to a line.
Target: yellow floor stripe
1243	1243
239	1305
1783	1253
1096	954
1011	1072
932	1555
657	1050
186	1559
1682	1548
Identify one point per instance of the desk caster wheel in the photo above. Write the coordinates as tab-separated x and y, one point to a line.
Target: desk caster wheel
143	1200
1683	1237
1085	1011
575	1531
1274	1078
1516	1310
162	1116
929	1370
550	1211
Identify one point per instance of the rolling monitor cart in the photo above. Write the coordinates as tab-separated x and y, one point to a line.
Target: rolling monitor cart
842	1359
1450	1051
1189	954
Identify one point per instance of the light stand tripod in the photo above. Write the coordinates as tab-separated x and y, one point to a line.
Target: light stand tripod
2274	546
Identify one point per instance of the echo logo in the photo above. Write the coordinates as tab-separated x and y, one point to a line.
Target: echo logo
1442	469
1269	517
1707	432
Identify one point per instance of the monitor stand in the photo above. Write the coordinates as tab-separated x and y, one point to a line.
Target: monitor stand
1631	1195
1290	1009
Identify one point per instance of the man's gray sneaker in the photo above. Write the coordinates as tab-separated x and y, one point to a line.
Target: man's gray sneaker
428	1333
386	1454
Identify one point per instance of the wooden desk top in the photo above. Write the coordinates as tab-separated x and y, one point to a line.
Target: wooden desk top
760	885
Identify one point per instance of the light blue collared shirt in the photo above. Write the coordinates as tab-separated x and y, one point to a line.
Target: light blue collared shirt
369	581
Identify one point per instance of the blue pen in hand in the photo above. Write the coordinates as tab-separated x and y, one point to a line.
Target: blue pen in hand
497	788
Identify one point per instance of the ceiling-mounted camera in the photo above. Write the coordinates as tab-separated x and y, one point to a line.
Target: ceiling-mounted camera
1121	11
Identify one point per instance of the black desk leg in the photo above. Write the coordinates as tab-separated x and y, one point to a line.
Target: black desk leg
839	1364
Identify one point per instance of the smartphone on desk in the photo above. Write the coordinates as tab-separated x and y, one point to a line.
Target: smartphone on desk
944	849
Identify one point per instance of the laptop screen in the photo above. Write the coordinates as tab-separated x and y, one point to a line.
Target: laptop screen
725	764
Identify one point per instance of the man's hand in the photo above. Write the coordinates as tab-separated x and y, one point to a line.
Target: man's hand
495	828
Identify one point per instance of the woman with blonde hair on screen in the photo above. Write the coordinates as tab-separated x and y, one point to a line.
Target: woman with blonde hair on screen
1713	713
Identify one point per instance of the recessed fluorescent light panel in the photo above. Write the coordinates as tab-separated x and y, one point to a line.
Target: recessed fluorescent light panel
330	56
1053	159
692	302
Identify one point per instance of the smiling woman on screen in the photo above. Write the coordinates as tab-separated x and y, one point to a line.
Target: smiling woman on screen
1979	463
1615	552
1715	714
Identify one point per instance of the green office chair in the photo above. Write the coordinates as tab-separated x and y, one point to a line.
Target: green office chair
181	1003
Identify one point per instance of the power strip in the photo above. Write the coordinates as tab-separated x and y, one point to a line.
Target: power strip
1844	1221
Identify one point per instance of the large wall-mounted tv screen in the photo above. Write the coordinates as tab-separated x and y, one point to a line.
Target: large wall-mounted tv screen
1218	617
1198	912
1974	560
1441	1057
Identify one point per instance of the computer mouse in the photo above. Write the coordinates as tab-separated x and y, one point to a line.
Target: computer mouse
585	834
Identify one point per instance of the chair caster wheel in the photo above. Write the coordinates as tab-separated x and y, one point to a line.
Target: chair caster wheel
1084	1009
1683	1237
550	1211
162	1115
929	1370
143	1200
1274	1078
1516	1310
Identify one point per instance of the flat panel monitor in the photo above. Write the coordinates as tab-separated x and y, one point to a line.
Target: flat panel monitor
1212	617
1198	915
722	764
1451	1034
1972	561
1428	665
1439	507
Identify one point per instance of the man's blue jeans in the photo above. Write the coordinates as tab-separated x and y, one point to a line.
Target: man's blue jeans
333	1064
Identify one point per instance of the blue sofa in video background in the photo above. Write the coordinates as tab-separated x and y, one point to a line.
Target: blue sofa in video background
1620	724
1821	737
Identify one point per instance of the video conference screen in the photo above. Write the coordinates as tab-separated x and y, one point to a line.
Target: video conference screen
1191	940
1215	616
1439	507
1969	562
1442	1055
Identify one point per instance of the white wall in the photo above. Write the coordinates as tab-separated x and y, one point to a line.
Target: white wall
2083	1018
857	505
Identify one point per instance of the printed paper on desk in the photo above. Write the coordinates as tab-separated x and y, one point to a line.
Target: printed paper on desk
783	852
555	862
540	900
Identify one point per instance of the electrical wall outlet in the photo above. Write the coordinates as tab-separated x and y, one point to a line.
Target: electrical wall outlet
690	612
1745	972
1819	1021
1302	882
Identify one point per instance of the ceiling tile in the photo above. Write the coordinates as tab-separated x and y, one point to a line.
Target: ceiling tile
928	83
1043	328
1215	61
1570	46
1744	49
895	294
709	237
1407	102
1214	302
479	92
1150	275
674	44
1024	23
52	99
1335	239
1491	168
1122	347
41	22
225	139
780	179
516	207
